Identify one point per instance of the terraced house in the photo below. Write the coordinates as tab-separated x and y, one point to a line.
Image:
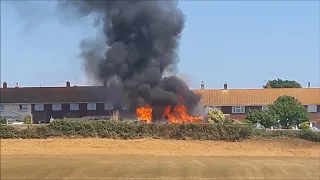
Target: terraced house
42	103
236	102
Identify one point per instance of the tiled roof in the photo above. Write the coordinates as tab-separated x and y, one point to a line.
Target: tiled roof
233	97
214	97
60	94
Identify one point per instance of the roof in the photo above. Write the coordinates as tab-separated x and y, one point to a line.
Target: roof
210	97
246	97
60	94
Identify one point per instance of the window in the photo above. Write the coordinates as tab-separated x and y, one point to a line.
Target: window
265	108
312	108
74	106
125	106
56	107
313	124
238	109
38	107
1	107
108	106
23	107
91	106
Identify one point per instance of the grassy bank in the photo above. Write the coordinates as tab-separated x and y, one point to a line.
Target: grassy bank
136	130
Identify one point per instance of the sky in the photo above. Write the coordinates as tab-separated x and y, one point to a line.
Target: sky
242	43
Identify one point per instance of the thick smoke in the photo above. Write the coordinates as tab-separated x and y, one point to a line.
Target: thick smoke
141	40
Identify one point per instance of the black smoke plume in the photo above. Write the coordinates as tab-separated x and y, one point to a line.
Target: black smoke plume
140	42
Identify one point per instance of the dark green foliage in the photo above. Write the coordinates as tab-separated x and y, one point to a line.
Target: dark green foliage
134	130
289	111
3	120
129	130
288	133
279	83
265	118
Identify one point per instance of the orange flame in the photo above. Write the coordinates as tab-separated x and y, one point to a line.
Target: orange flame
177	114
144	113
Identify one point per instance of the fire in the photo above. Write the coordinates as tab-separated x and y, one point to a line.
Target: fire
177	114
144	113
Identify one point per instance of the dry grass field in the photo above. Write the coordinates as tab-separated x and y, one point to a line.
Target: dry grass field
159	159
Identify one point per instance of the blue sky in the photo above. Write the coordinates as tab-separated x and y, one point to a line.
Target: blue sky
242	43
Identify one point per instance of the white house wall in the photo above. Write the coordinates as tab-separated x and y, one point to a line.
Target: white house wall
13	110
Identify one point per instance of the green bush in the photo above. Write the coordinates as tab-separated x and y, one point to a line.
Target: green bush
216	116
309	135
3	120
129	130
135	130
27	120
288	133
304	125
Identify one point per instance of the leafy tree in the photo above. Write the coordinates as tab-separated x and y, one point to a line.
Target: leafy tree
265	118
279	83
289	111
216	116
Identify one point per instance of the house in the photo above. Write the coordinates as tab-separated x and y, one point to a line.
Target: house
42	103
237	102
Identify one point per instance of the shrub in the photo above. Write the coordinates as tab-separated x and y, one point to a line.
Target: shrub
309	135
3	120
134	130
304	125
130	130
27	120
215	116
265	118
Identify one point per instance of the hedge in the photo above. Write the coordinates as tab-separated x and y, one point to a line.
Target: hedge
306	134
136	130
127	130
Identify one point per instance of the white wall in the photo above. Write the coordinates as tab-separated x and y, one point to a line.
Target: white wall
13	110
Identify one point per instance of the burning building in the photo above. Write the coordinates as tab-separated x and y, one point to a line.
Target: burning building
137	47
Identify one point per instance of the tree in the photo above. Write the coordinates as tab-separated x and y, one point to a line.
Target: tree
215	116
265	118
289	111
279	83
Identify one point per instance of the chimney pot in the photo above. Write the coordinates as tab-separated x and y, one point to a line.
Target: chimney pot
4	85
202	85
17	85
225	86
68	84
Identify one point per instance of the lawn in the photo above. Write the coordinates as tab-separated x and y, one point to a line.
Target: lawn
159	159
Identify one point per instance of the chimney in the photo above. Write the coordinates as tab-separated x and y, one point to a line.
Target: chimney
225	86
68	84
4	85
202	85
17	85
